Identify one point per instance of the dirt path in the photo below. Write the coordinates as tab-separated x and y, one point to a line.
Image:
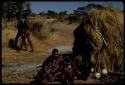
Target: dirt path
66	31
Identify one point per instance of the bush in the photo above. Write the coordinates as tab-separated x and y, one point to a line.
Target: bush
41	31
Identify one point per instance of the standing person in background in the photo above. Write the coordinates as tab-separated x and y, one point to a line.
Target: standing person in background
20	33
28	32
23	32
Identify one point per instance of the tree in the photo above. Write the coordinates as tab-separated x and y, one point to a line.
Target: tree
10	9
42	13
63	13
52	13
28	7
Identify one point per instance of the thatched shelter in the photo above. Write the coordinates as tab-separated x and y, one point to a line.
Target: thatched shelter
108	22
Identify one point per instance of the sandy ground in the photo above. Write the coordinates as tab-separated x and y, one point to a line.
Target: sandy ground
20	67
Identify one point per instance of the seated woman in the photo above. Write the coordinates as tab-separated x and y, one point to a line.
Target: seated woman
50	69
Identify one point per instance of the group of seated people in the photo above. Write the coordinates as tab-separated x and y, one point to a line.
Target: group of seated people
63	68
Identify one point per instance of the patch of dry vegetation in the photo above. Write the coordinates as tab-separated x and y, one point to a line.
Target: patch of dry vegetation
41	28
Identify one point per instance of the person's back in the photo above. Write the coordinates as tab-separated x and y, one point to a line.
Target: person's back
21	31
21	27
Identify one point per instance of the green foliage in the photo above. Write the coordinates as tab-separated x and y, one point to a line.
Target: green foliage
63	13
52	13
10	8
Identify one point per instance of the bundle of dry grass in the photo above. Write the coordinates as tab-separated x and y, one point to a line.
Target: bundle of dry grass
110	23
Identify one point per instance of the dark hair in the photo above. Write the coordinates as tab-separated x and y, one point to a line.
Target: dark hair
54	50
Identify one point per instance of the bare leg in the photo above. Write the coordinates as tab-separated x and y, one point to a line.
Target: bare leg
23	42
29	40
16	40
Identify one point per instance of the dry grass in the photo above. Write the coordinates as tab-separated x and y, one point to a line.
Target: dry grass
41	28
56	34
110	22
